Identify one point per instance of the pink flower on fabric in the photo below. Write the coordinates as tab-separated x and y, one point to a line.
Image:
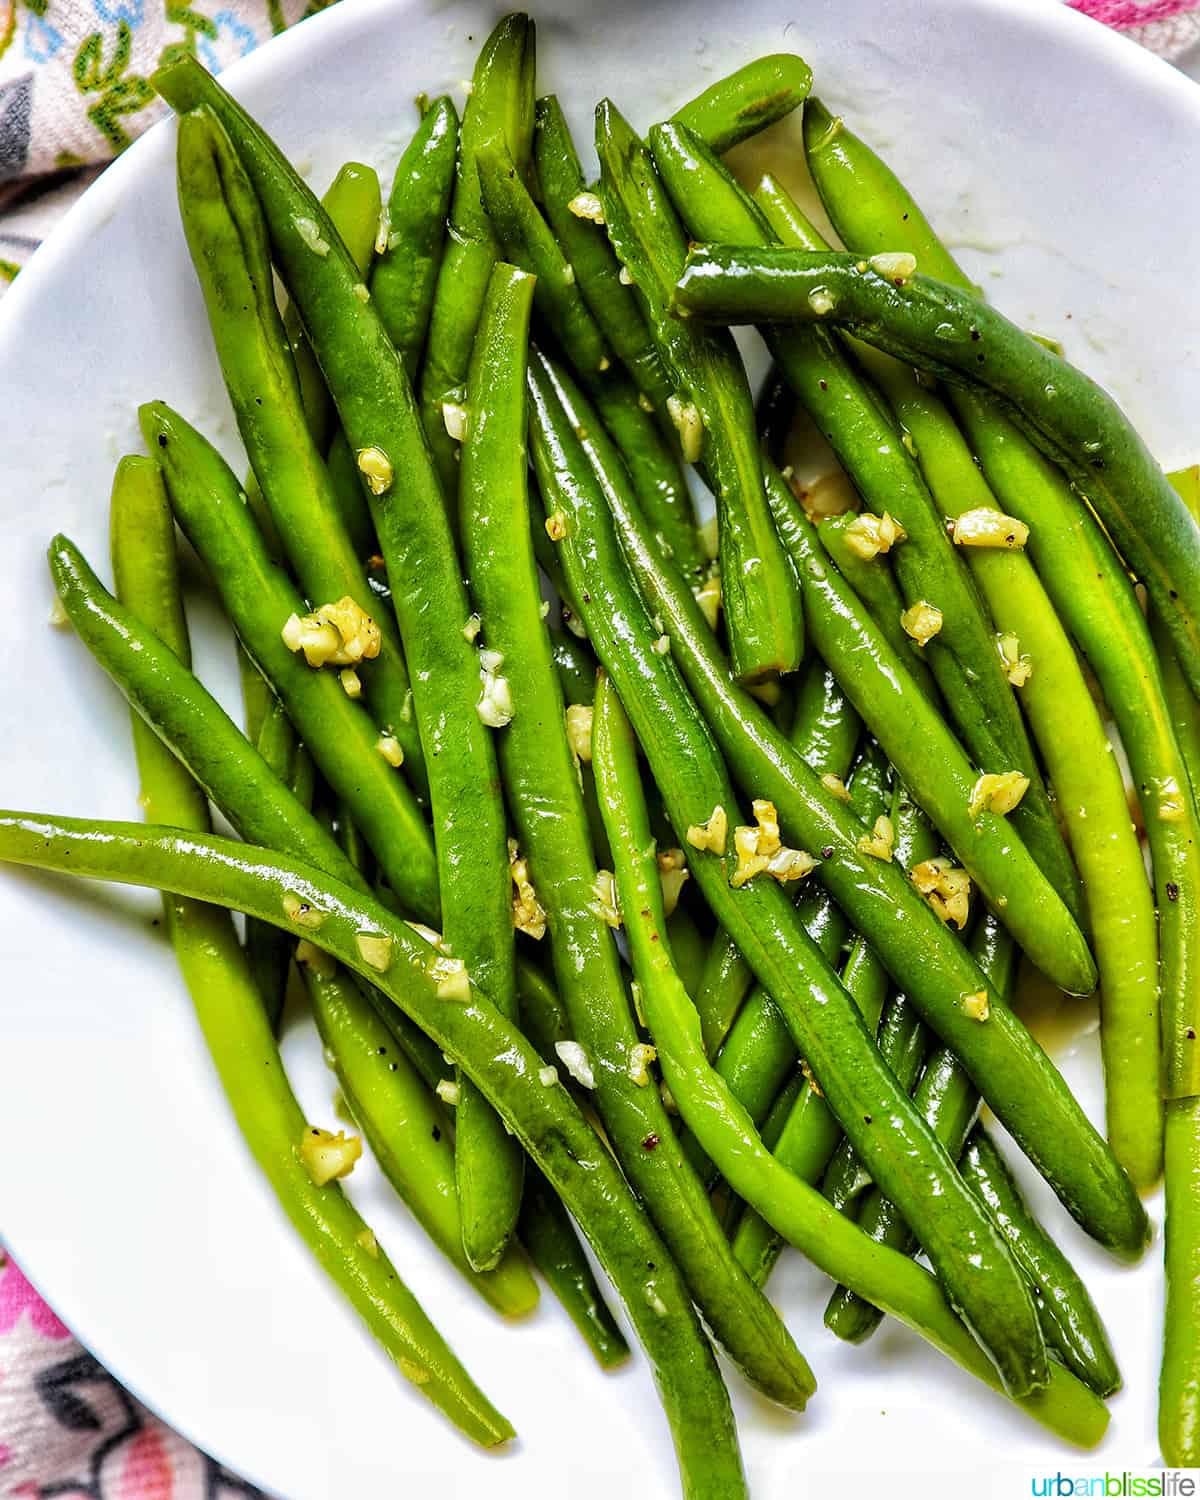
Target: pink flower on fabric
147	1472
17	1296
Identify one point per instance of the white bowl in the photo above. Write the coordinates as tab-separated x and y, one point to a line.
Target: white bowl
1060	161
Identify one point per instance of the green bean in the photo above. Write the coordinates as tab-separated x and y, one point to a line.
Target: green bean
206	498
544	795
748	100
231	1014
548	1235
693	780
500	106
1181	702
723	987
228	242
952	335
576	668
962	653
774	411
502	1064
1179	1377
713	408
267	949
1072	1323
528	241
689	946
831	1241
257	697
405	274
1018	1080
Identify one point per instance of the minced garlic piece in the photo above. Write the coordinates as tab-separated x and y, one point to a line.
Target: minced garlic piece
997	793
391	749
976	1006
668	1098
820	299
361	292
625	276
376	468
366	1238
451	978
495	706
1017	668
896	265
759	850
375	950
641	1055
472	628
710	835
604	904
321	963
868	535
454	419
303	913
661	646
579	729
708	597
59	617
835	786
685	418
946	887
653	1301
341	634
577	1063
810	1078
790	864
351	682
880	842
986	527
922	621
311	235
529	915
327	1156
383	233
673	872
547	1077
448	1091
556	526
587	206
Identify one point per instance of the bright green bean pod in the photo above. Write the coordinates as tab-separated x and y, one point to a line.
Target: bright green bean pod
688	944
504	1066
952	335
774	410
268	950
723	987
500	106
748	100
231	1013
228	242
712	408
1179	1375
797	1209
576	668
1182	703
691	775
405	273
545	798
1017	1078
206	498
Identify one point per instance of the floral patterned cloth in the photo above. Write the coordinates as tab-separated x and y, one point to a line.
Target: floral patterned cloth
73	93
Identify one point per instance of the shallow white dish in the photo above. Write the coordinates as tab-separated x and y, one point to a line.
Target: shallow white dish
1060	160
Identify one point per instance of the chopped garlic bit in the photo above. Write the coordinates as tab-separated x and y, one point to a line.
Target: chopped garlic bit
451	978
976	1006
302	912
376	468
868	535
323	964
337	635
604	898
587	206
897	265
641	1055
661	646
327	1156
58	615
997	793
391	749
1017	668
820	299
625	276
361	292
548	1077
577	1063
668	1099
987	527
472	628
1171	805
375	950
495	706
946	887
685	418
556	526
673	872
383	233
710	835
366	1238
880	842
311	235
759	850
835	786
448	1091
579	730
708	597
351	682
529	915
810	1078
654	1301
454	418
922	621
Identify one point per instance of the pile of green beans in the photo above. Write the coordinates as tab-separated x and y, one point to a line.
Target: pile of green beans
831	776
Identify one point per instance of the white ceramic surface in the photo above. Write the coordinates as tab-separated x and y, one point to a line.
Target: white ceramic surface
1061	161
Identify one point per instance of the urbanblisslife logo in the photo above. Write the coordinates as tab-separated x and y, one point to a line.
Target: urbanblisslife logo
1123	1486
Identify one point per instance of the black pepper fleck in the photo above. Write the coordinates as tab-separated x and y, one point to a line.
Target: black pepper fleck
827	852
1172	891
650	1142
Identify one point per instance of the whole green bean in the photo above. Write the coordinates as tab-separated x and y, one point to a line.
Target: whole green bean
232	1017
748	100
227	238
576	668
405	273
1179	1376
824	1235
1018	1079
206	498
952	335
693	780
268	950
544	795
502	1063
712	407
